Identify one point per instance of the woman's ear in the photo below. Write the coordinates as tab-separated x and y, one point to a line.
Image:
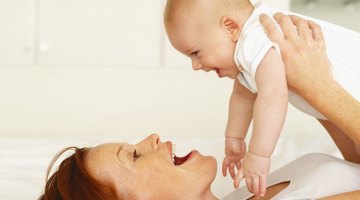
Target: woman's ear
231	26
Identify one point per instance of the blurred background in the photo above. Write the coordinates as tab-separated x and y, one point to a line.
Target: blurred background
90	67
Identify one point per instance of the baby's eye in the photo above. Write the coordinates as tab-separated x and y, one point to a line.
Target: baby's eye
135	155
195	53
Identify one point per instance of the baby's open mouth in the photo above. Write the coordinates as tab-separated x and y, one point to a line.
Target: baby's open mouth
180	160
217	72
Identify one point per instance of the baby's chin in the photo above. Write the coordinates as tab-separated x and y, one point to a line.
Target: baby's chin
232	77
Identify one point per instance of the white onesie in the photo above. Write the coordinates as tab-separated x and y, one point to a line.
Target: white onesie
343	48
311	176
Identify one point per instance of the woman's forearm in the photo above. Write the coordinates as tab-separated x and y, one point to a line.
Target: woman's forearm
308	73
336	104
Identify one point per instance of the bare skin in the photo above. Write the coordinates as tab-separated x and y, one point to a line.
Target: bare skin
308	74
214	50
346	145
303	47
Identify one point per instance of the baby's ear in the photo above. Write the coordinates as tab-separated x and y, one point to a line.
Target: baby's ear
232	26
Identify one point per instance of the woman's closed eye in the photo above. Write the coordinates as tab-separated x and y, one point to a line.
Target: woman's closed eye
135	155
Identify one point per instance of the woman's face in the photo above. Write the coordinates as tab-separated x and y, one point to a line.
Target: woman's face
147	170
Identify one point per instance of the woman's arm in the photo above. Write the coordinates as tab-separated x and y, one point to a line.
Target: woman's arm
308	71
346	145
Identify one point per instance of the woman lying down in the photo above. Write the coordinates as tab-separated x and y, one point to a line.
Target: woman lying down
148	170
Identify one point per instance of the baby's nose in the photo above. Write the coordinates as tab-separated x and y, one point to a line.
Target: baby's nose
196	65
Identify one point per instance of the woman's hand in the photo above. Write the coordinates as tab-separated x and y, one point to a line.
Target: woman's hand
308	71
302	49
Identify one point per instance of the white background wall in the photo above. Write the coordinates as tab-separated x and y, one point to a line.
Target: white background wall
100	67
80	67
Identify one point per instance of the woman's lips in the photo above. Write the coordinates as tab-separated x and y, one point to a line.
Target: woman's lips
181	160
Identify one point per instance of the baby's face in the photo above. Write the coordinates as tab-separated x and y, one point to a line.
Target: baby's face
208	44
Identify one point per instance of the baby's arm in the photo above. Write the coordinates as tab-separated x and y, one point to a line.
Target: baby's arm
240	111
240	116
268	118
270	105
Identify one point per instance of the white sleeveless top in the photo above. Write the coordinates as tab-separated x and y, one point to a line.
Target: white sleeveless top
311	176
343	48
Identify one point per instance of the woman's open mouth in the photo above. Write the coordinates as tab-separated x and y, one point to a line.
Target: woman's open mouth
180	160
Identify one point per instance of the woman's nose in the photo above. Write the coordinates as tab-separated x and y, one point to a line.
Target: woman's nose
154	140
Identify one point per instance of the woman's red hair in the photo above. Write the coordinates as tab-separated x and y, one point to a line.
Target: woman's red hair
72	181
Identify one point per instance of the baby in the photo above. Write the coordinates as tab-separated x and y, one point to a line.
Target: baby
226	36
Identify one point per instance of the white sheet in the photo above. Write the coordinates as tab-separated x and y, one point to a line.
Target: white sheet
24	160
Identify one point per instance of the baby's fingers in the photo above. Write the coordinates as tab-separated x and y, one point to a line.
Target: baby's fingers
232	170
249	185
262	186
239	176
258	186
255	186
238	165
225	165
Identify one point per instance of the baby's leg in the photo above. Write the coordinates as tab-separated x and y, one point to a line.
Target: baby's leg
347	147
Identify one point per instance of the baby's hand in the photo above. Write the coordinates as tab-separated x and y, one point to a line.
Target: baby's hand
255	170
235	149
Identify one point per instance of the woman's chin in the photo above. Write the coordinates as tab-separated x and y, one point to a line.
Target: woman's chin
212	165
206	164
